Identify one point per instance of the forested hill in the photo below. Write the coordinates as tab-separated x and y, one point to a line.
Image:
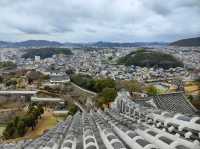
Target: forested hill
144	58
187	42
46	52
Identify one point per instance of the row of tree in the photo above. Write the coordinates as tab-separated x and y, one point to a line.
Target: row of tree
20	124
106	96
46	52
96	85
106	88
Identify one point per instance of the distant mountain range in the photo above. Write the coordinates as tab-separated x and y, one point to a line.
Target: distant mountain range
45	43
187	42
100	44
30	43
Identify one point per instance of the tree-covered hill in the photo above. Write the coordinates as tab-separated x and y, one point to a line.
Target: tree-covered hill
187	42
46	52
144	58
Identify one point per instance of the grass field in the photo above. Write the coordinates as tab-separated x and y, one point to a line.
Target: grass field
161	89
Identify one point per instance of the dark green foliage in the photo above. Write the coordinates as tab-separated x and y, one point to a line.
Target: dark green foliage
10	82
46	52
72	109
21	128
89	83
106	88
1	79
84	81
70	71
7	65
104	83
18	126
9	131
145	58
108	94
190	97
40	109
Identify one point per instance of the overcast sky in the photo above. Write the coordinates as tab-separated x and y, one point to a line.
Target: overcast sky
99	20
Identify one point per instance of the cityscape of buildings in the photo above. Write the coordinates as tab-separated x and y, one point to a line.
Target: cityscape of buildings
167	119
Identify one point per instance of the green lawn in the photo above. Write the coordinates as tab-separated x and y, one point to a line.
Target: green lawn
161	89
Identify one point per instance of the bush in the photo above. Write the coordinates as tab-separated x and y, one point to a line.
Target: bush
89	83
10	82
72	109
108	94
18	126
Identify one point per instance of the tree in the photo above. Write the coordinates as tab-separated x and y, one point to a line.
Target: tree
132	86
69	71
101	84
16	120
30	121
1	79
21	128
20	83
190	97
108	94
17	127
99	102
72	109
33	75
10	82
9	131
151	90
41	110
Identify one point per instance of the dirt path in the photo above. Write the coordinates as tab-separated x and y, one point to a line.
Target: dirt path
47	121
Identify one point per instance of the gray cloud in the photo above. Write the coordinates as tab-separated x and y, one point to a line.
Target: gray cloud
92	20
